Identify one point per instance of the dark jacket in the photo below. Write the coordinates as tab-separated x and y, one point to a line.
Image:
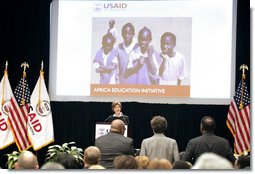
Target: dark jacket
208	142
112	145
124	118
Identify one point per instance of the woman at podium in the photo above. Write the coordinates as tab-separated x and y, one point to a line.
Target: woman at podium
116	108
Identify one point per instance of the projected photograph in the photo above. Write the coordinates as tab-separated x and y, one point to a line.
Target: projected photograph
141	56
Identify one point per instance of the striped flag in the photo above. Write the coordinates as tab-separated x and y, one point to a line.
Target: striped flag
19	110
238	119
6	137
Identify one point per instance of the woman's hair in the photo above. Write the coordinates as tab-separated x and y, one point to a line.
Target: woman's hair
116	103
125	162
158	124
160	164
143	161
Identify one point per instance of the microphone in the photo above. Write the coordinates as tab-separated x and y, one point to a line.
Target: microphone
107	119
124	119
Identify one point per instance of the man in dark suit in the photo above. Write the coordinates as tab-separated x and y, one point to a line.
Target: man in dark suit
114	144
208	142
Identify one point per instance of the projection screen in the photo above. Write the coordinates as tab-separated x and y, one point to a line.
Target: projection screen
203	59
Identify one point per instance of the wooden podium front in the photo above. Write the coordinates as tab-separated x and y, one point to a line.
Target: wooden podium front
103	128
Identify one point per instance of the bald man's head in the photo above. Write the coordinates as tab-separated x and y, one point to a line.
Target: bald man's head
207	124
118	126
27	160
91	155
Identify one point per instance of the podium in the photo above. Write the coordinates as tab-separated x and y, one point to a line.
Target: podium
103	128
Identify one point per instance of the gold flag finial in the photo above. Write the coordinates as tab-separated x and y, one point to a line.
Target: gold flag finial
243	67
6	68
25	66
5	74
41	71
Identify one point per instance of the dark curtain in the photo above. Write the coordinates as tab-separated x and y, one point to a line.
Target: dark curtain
75	121
24	36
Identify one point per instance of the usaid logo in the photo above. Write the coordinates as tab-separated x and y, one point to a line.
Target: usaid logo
43	108
98	7
6	106
109	6
102	131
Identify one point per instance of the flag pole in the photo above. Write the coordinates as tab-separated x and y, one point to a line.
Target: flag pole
24	65
242	67
6	75
41	77
39	98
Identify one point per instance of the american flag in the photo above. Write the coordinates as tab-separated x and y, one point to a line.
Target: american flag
19	115
238	119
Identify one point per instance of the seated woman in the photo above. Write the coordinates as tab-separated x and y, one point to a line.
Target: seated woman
116	108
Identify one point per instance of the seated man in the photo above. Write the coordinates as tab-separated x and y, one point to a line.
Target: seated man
114	144
212	161
68	161
27	160
52	166
242	162
91	156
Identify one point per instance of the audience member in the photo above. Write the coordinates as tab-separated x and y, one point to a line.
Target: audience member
160	164
242	162
52	166
160	146
208	142
143	161
68	161
27	160
114	144
212	161
91	156
97	166
125	162
116	108
182	154
181	165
